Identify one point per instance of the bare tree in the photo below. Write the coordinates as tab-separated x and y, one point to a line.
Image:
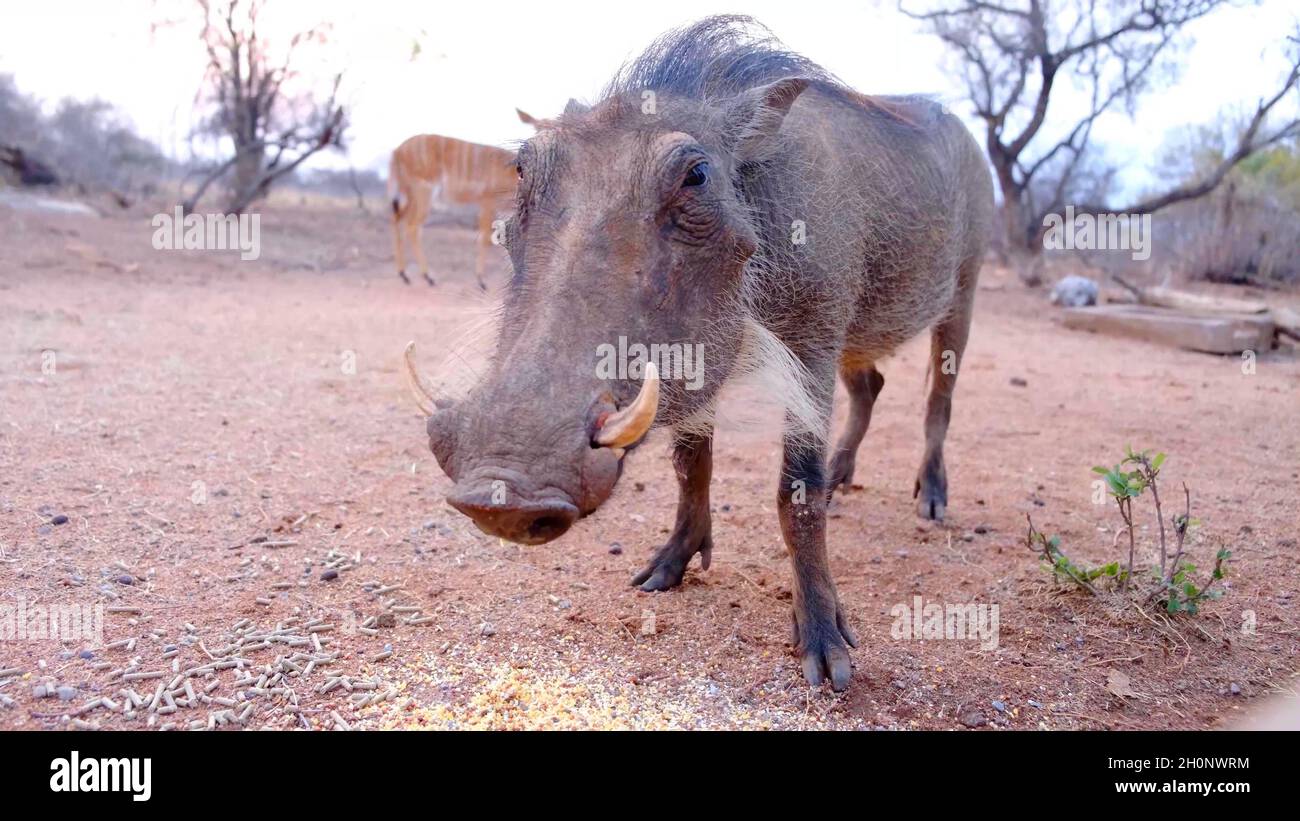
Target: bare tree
271	114
1248	228
1015	55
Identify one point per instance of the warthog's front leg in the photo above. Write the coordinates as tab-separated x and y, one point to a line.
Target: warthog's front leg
821	634
693	461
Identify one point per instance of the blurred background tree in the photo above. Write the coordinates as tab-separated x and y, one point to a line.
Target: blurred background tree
1016	56
88	145
1248	228
255	100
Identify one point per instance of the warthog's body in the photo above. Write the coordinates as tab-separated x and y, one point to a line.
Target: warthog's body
891	218
750	203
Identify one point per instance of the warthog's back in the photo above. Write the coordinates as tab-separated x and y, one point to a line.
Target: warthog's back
894	195
458	171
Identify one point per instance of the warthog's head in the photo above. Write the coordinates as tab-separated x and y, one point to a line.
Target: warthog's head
628	240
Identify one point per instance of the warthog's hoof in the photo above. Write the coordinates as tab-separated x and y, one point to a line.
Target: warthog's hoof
841	473
668	566
405	279
429	279
931	494
822	643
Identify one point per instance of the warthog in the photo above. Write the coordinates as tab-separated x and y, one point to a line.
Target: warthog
723	192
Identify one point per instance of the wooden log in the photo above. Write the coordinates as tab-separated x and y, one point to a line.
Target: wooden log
1162	297
1287	321
1199	303
1220	333
31	171
1116	296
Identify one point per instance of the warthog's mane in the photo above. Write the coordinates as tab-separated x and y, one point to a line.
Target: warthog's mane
715	58
719	57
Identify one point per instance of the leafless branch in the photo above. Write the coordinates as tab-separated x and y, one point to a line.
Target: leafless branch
260	103
1014	54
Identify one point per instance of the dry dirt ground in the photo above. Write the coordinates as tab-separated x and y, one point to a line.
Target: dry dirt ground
248	492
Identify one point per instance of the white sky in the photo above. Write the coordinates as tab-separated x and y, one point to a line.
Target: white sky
481	59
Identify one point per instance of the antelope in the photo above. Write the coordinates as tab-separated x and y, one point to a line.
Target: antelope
459	172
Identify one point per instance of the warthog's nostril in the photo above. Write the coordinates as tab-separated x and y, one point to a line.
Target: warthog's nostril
526	522
548	527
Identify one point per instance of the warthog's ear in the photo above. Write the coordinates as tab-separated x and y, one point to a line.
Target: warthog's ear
575	107
754	118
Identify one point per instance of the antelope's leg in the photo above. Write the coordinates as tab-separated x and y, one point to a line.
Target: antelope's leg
400	252
419	211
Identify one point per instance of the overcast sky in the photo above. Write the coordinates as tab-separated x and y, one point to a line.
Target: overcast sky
479	60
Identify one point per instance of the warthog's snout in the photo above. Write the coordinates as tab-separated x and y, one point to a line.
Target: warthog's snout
531	506
528	476
524	521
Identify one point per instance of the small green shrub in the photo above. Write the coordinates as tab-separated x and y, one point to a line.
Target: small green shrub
1175	586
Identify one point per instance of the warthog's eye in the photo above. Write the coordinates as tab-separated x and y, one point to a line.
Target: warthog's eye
698	175
519	171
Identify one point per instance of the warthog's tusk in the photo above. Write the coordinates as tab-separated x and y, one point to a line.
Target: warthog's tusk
630	424
423	399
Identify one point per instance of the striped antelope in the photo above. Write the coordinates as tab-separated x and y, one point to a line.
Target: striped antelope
459	172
